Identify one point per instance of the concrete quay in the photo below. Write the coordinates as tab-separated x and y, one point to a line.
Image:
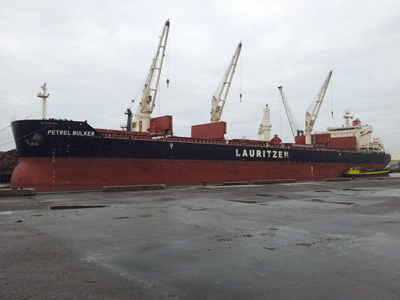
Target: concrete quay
302	240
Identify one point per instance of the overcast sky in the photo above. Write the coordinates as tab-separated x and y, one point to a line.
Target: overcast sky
95	56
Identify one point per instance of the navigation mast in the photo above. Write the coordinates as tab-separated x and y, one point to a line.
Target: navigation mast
44	96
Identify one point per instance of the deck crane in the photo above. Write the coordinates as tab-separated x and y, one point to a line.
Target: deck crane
292	121
149	93
218	102
311	116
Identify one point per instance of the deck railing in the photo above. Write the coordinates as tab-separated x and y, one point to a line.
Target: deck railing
114	134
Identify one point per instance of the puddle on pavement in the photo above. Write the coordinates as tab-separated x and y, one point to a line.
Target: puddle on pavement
323	201
245	201
60	207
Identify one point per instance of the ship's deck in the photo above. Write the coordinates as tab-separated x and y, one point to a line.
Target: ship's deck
126	135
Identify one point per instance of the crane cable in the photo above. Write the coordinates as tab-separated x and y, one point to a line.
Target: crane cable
240	78
5	128
11	125
332	99
167	48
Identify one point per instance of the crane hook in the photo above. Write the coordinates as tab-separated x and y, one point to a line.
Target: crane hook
240	97
167	83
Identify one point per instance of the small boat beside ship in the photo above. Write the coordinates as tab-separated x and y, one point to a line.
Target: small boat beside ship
358	173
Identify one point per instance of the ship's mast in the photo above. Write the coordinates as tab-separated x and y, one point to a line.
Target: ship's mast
44	96
265	127
347	116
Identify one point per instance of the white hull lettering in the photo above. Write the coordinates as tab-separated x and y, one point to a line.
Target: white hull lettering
275	154
58	132
83	133
67	133
237	153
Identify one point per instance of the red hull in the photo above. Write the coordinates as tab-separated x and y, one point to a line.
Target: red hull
62	174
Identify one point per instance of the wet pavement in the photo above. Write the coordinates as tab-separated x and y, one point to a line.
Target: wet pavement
318	240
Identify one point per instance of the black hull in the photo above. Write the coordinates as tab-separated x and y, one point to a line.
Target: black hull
67	155
37	138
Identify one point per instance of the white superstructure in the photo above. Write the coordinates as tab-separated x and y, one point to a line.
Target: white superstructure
363	134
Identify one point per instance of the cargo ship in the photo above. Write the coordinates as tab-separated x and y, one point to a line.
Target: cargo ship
64	155
56	155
